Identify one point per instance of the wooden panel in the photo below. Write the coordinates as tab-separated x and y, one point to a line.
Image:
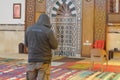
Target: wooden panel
109	6
88	20
114	18
37	16
29	13
100	19
40	6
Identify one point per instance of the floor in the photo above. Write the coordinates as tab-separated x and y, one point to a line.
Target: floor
25	56
14	55
114	61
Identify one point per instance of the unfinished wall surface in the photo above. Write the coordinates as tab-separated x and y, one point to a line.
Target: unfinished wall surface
10	39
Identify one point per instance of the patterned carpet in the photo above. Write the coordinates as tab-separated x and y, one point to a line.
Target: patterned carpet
79	70
67	74
85	64
12	72
13	69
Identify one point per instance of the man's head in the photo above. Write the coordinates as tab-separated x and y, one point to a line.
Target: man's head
44	20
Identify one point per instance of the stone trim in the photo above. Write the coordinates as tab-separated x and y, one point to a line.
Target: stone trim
12	27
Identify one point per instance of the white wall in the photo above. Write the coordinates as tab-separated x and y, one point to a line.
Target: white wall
6	12
113	41
11	30
10	37
9	41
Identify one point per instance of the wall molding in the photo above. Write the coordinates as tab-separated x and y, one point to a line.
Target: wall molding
12	24
12	27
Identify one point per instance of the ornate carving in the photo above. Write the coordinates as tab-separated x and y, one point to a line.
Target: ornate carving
40	6
67	26
30	13
100	19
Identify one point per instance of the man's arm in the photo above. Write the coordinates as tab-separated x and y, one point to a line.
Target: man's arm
52	40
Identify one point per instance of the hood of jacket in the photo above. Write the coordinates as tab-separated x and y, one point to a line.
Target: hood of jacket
44	20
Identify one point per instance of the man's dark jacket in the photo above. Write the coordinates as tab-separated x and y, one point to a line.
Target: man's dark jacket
40	39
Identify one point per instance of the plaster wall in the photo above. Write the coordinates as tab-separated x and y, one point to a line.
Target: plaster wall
10	39
6	12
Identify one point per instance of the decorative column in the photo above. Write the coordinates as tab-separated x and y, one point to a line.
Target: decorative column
40	8
30	13
100	19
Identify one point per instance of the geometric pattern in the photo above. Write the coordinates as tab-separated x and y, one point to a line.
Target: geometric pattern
100	19
66	19
30	12
65	5
40	6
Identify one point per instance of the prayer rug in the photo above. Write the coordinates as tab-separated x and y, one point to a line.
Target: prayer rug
85	66
12	72
12	69
67	74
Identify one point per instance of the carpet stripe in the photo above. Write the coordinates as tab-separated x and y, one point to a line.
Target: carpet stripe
56	70
75	77
59	73
65	74
85	74
66	77
109	76
116	77
101	75
93	76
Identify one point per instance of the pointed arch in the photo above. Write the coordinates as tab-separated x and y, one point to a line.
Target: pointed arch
66	20
65	5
